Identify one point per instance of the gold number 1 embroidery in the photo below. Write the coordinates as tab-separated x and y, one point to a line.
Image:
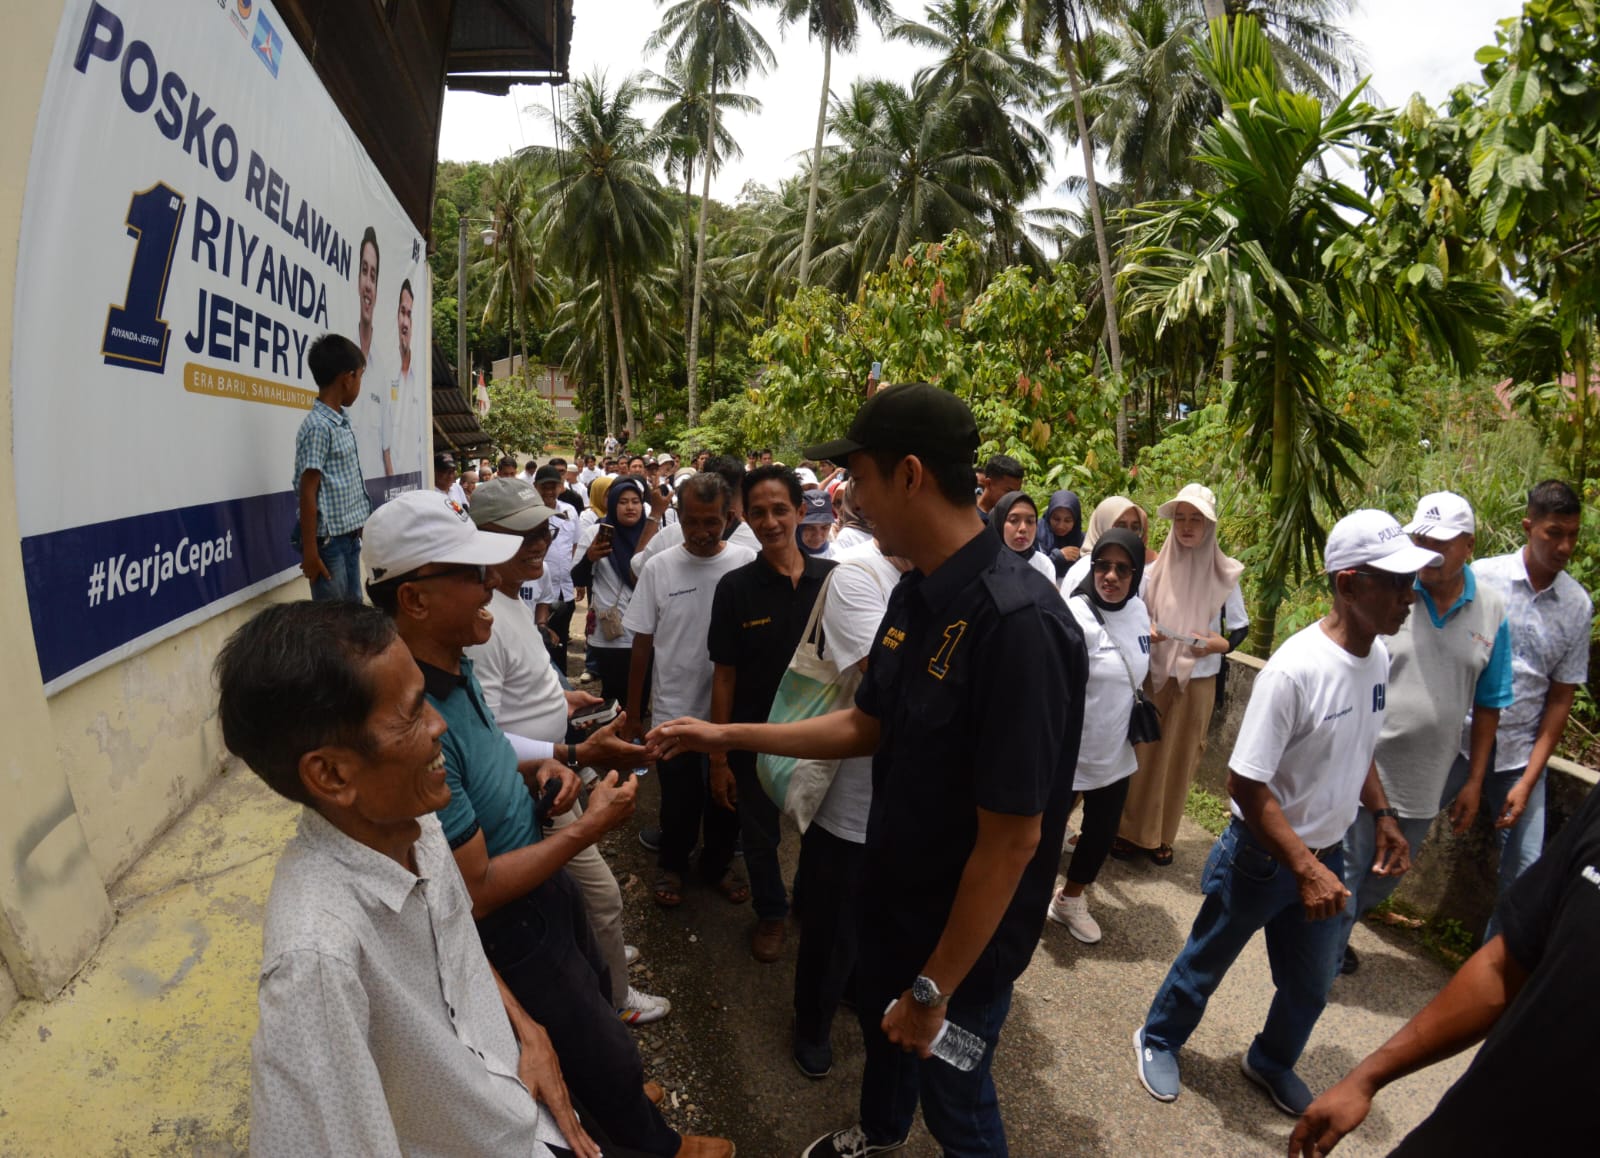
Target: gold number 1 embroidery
939	665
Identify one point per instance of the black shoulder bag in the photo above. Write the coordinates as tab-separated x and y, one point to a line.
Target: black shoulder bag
1144	721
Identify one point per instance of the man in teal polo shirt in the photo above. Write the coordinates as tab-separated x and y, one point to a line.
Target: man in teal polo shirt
430	572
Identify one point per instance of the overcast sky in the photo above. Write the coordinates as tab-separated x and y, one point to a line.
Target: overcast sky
1424	46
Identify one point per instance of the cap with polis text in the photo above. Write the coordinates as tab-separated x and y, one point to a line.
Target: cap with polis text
511	503
1442	515
912	418
420	527
1369	538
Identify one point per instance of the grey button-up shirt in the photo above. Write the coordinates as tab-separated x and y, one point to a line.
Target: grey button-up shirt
382	1031
1549	644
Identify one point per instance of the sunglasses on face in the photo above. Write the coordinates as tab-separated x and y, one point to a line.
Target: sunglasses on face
1108	567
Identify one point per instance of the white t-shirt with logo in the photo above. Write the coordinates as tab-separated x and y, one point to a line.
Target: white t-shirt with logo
671	535
672	602
518	680
858	591
1310	731
1104	754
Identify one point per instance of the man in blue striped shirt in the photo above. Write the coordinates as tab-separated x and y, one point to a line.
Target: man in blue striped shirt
332	498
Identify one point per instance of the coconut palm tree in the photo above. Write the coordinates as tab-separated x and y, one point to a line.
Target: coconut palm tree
605	214
684	122
837	23
713	39
1276	238
516	286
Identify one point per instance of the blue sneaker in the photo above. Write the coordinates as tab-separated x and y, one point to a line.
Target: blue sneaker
1285	1089
1158	1069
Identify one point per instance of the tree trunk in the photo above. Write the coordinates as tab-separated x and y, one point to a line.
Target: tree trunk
1580	367
1215	9
688	229
607	396
1228	326
816	165
1107	283
622	348
1272	588
700	256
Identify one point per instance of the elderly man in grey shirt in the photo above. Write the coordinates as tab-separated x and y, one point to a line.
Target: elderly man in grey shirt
383	1029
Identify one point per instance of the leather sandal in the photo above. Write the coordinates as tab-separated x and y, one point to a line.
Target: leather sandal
668	889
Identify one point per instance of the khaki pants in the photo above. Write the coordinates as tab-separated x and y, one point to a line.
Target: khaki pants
603	900
1157	792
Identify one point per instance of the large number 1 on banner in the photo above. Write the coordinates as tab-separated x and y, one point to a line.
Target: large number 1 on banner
136	336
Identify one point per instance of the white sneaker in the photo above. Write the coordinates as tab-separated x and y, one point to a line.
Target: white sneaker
585	678
643	1008
1073	912
630	954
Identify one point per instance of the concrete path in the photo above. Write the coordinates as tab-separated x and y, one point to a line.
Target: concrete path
147	1053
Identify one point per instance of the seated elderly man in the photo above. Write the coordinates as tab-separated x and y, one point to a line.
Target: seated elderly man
428	576
382	1027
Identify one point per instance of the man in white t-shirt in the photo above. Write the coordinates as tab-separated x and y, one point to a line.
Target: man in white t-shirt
737	532
670	618
520	688
550	481
1302	765
834	843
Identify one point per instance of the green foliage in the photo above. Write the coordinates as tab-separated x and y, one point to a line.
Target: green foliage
736	425
1005	350
521	422
1207	809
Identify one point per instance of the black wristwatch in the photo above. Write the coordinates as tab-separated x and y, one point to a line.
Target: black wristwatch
1379	813
572	757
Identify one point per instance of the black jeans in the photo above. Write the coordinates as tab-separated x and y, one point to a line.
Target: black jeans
829	877
612	664
1102	812
560	622
545	950
758	823
686	808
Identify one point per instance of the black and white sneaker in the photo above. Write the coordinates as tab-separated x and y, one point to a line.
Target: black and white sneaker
650	838
851	1143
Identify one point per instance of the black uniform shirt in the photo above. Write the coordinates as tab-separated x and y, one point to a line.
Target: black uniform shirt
757	618
977	678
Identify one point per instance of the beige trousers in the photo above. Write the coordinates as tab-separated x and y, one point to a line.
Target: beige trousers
603	900
1157	792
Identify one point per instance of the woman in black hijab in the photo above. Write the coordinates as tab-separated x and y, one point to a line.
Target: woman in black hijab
1116	634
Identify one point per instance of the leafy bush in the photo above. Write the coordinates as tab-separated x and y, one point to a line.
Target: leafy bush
520	421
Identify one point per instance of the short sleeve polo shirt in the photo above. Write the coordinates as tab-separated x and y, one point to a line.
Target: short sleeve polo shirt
977	679
757	618
487	792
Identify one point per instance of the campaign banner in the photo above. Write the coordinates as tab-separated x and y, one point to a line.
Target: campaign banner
197	213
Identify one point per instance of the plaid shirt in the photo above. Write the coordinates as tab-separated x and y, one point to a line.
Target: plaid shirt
326	444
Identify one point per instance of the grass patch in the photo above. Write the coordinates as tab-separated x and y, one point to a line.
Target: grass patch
1207	809
1445	939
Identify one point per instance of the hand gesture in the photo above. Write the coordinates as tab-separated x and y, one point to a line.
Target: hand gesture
1464	809
313	568
687	734
1393	851
1322	894
611	802
1516	802
911	1025
724	790
608	748
1329	1119
599	548
540	1071
577	701
549	770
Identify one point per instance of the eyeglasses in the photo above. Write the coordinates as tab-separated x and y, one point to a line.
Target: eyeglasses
1402	581
1108	567
466	570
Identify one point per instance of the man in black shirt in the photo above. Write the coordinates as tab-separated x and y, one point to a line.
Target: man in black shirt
757	617
1531	991
971	706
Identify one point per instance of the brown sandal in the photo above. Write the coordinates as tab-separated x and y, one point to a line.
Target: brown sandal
734	888
1161	855
668	889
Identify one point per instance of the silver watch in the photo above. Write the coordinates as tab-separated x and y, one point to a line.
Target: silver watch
924	992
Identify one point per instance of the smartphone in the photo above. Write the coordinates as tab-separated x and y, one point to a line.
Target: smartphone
547	798
604	533
596	715
876	372
1178	636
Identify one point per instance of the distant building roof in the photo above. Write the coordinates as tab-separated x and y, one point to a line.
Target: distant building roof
455	422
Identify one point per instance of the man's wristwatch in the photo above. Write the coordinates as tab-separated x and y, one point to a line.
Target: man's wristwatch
1380	813
925	993
572	757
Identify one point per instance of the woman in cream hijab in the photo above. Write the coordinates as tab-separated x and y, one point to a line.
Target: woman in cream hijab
1116	511
1192	591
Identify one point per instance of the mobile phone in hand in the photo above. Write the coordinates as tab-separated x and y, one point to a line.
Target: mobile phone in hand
1179	636
596	715
604	533
547	799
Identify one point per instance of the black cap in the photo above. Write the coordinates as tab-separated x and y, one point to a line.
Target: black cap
548	473
443	460
914	418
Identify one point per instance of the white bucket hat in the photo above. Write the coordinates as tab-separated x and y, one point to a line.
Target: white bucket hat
1197	496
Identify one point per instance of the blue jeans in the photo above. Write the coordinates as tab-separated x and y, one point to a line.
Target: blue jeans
1522	843
1246	889
1367	889
341	555
960	1109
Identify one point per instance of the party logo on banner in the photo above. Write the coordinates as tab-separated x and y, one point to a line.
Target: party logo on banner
267	43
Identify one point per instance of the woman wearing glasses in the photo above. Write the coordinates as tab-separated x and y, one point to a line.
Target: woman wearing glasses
1192	591
1116	634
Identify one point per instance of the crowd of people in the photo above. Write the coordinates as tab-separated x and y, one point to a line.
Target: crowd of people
838	642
